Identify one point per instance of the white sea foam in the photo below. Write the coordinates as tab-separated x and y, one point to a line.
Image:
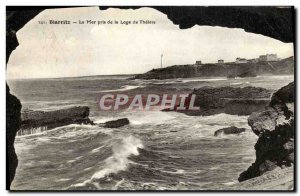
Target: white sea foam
203	80
119	161
31	131
62	180
96	149
124	88
186	80
149	117
101	120
230	183
71	161
118	184
75	131
238	83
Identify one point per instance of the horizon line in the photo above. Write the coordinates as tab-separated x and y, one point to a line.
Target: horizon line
70	77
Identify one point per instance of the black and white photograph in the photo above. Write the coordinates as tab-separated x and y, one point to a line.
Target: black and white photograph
150	98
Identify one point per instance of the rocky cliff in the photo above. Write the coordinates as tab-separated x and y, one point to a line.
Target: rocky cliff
284	66
275	128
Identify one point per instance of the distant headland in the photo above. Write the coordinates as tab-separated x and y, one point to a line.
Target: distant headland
265	64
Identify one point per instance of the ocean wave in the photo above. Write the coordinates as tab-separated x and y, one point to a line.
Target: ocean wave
230	183
44	130
238	83
31	131
65	134
149	117
203	80
123	88
63	179
95	150
119	160
185	80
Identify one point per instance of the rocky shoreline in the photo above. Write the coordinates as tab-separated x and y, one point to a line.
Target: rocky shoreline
277	179
275	128
52	119
229	100
272	120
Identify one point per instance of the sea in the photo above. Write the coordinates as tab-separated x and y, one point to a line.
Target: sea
156	151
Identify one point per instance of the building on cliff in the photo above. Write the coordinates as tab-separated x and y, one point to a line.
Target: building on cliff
220	61
253	60
268	57
240	60
198	62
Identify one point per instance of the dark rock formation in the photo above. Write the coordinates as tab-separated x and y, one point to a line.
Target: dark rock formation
247	74
116	123
229	130
275	128
57	118
229	70
275	22
229	100
13	123
244	74
15	20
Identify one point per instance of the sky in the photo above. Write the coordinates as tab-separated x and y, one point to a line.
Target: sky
60	50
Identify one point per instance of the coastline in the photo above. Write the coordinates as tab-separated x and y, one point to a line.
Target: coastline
278	179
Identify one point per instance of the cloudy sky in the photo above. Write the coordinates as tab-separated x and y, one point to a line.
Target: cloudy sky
47	51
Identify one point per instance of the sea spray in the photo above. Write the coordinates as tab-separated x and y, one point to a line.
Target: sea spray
31	131
119	161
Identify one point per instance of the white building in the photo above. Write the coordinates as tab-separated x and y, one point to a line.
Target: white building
253	60
198	62
240	60
268	57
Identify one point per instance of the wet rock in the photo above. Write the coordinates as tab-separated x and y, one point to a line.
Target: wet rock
247	74
229	100
262	122
267	166
283	96
275	128
290	158
57	118
244	107
289	146
229	130
116	123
